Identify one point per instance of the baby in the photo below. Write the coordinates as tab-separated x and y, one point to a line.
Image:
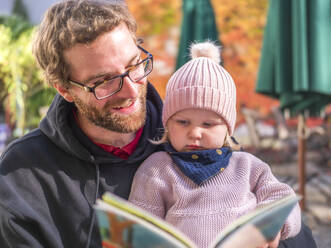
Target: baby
201	183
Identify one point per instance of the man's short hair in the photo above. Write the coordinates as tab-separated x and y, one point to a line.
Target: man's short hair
70	22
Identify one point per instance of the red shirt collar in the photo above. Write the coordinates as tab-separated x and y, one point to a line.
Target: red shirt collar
123	152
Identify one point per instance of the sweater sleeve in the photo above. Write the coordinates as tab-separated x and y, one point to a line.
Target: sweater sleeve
268	188
150	190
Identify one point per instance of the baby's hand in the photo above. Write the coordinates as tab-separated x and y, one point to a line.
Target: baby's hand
272	244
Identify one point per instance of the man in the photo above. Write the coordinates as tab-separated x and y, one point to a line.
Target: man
95	134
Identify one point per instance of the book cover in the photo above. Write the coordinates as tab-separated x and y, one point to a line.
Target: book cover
122	224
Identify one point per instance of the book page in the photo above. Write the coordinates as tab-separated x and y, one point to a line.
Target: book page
260	225
123	224
141	230
248	237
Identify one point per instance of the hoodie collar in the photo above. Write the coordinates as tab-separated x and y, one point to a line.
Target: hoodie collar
59	126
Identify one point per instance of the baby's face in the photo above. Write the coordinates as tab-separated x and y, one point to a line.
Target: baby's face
196	129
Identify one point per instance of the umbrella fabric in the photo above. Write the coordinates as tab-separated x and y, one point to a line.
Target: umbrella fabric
295	65
198	24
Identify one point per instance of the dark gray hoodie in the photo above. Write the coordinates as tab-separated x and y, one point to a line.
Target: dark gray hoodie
51	177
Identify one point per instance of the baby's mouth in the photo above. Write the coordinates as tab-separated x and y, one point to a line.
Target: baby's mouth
193	147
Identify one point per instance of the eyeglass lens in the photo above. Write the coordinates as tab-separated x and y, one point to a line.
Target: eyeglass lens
135	74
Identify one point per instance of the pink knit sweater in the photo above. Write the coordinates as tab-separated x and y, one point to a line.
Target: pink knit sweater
201	212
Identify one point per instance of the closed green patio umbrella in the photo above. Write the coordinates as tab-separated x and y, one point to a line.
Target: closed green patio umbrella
198	24
295	64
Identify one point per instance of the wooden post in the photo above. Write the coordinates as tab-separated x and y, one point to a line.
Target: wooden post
251	117
302	135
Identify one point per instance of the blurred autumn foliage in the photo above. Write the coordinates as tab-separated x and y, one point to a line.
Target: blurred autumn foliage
240	24
158	25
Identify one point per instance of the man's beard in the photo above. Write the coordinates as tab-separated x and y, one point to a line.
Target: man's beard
113	121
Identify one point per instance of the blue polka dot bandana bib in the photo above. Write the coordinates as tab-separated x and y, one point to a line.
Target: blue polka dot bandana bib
201	165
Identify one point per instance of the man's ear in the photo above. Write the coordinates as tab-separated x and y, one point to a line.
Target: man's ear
64	92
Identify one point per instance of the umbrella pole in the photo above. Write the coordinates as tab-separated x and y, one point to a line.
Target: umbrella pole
302	158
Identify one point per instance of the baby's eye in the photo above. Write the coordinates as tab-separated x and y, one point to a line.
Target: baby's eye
207	124
182	122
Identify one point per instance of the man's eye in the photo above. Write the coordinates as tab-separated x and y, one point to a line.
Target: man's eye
136	63
138	60
106	80
91	84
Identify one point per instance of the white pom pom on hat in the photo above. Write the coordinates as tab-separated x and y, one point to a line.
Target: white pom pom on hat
206	49
202	83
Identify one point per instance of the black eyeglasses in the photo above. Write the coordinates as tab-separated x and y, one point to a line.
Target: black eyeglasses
109	86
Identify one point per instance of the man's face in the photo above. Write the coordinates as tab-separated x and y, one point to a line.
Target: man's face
110	54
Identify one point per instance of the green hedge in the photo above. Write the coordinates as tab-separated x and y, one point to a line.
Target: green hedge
22	88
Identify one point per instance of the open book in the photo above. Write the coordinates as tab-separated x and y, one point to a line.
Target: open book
122	224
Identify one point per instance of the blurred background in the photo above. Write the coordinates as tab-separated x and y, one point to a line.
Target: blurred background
295	141
240	29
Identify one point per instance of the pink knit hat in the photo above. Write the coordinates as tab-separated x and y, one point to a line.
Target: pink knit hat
202	83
